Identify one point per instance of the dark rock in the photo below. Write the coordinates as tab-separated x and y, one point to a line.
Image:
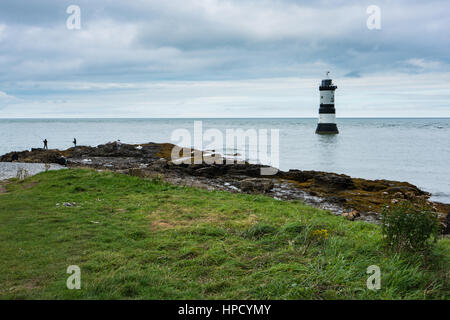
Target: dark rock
373	186
334	181
33	156
298	175
159	165
210	171
62	161
402	189
243	170
335	199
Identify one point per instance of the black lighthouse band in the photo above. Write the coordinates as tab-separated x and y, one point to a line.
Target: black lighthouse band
327	108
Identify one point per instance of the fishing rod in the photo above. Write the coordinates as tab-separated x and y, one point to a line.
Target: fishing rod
38	136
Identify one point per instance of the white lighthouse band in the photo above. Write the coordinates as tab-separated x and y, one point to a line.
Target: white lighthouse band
327	112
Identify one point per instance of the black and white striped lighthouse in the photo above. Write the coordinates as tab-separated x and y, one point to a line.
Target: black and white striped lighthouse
327	112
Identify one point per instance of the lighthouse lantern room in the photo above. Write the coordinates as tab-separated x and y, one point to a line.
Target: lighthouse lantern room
327	112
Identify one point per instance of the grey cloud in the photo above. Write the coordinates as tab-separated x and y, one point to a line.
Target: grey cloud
353	74
143	41
214	39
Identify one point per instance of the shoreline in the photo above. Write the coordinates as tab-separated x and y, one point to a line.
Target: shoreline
354	198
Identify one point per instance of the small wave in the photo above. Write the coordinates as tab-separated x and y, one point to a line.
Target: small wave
440	197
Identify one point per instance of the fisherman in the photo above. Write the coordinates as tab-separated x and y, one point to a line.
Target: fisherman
45	144
75	142
118	143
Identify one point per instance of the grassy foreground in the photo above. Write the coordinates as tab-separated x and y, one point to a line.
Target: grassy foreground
143	239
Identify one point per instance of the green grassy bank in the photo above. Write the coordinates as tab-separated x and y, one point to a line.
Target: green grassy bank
143	239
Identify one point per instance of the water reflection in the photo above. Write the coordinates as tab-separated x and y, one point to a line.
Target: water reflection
327	148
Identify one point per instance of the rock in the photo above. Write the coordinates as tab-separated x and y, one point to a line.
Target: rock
337	199
34	156
410	195
243	170
159	165
404	189
320	179
257	185
149	152
69	204
398	195
334	181
210	171
298	175
351	215
62	161
136	172
373	185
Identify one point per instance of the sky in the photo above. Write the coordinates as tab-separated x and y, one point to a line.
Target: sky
223	58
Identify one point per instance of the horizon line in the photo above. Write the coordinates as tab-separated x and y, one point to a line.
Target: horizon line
193	118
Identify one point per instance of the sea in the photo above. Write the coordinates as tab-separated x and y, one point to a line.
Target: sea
413	150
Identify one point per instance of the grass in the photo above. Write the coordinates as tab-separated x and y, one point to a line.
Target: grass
143	239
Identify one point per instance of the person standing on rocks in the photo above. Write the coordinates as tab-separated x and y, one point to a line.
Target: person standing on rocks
45	144
74	142
118	144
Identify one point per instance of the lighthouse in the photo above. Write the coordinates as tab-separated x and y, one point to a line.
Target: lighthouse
327	112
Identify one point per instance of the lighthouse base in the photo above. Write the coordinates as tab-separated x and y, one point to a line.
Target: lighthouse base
327	128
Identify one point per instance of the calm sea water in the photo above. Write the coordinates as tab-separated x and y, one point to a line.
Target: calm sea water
413	150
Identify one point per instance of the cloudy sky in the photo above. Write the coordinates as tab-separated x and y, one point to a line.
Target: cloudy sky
223	58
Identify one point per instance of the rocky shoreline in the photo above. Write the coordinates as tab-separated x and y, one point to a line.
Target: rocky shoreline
354	198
